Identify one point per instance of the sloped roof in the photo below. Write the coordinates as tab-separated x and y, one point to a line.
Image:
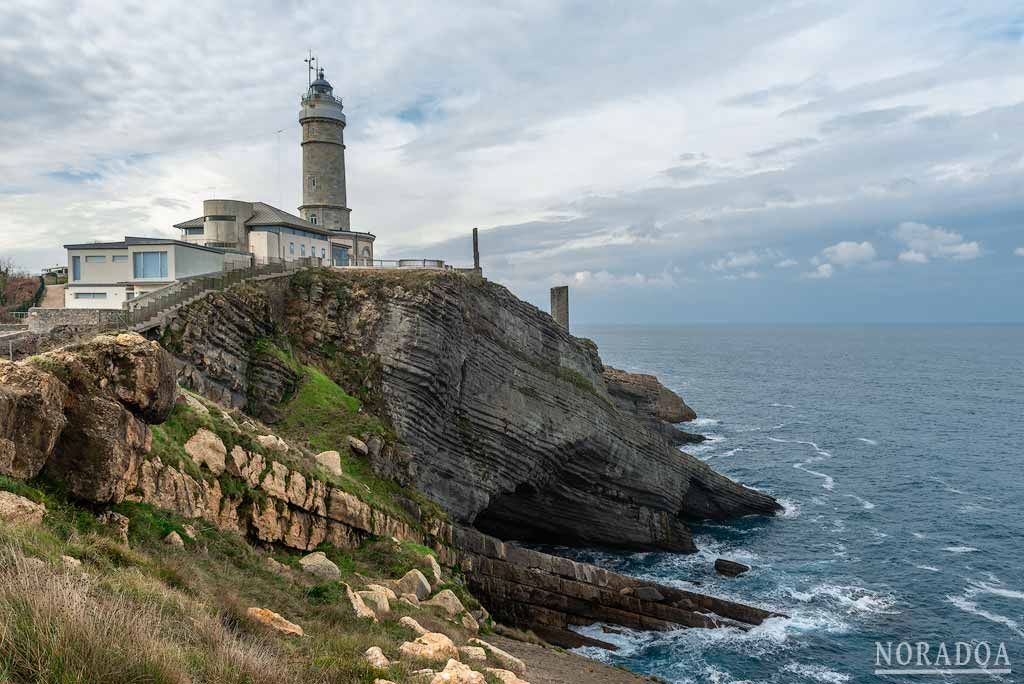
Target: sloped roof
191	223
264	214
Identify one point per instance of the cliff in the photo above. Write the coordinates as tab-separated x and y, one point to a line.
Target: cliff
496	412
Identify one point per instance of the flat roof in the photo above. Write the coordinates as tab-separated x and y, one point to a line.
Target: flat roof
136	241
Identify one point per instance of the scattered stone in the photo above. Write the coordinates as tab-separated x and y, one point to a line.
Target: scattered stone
448	602
70	562
229	420
503	658
471	654
190	531
320	565
413	582
194	404
378	600
480	615
174	539
276	566
382	681
469	623
376	658
272	442
432	646
358	446
207	449
330	461
424	676
648	594
374	444
413	625
17	510
411	599
504	676
435	570
455	672
274	621
387	591
358	607
729	568
610	630
118	522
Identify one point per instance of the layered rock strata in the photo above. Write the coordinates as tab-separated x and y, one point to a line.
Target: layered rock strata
508	419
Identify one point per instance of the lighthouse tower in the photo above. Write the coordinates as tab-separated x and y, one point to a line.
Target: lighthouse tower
323	157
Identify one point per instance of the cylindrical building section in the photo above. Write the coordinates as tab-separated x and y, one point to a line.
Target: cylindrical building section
324	200
224	222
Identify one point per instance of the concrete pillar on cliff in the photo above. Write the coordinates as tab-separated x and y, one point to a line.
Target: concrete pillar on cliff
560	305
476	250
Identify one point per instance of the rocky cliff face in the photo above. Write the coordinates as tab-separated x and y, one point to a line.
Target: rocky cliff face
508	421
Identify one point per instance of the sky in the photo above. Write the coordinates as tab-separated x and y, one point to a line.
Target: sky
672	162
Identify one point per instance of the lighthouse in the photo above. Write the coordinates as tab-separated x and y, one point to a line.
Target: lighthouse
324	201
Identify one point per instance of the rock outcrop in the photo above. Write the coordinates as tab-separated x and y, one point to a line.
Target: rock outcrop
509	420
655	405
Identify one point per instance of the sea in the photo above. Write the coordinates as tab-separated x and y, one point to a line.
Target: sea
896	453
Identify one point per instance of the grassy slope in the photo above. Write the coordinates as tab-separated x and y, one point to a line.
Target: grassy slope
154	613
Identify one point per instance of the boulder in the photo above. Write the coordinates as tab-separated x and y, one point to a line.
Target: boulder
435	570
413	625
274	621
377	600
645	395
448	602
17	510
317	563
276	566
424	676
503	658
504	676
469	623
206	448
413	582
174	539
360	609
455	672
432	646
193	403
246	465
376	658
190	531
387	591
273	443
330	461
648	594
724	566
358	446
410	600
31	418
473	654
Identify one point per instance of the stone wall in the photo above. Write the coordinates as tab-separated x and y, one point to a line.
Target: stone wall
76	320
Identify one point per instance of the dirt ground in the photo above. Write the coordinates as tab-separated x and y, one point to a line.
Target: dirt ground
554	666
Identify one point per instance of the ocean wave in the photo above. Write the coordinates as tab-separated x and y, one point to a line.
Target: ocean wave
703	422
865	504
817	449
928	568
710	443
960	549
829	482
867	441
790	508
965	604
852	598
789	406
817	673
919	535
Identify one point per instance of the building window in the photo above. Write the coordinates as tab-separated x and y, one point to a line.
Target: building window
323	252
76	268
302	248
95	259
90	295
312	183
150	265
365	252
312	219
120	258
291	248
194	231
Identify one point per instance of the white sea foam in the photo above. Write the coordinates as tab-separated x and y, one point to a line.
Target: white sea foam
919	535
865	504
960	549
790	508
965	604
711	442
829	482
851	598
817	449
789	406
730	452
928	568
817	673
703	422
867	441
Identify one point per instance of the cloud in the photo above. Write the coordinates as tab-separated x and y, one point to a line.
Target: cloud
925	243
822	272
849	253
745	275
787	263
1019	251
736	260
869	119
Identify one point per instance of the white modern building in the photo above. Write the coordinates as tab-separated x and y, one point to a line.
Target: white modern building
105	275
